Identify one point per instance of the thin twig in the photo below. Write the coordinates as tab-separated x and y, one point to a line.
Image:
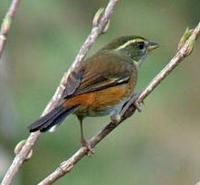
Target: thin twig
5	26
66	166
97	29
198	183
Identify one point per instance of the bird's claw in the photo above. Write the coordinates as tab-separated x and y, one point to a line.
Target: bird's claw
115	118
89	147
138	105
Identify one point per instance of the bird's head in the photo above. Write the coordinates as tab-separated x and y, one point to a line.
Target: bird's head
135	47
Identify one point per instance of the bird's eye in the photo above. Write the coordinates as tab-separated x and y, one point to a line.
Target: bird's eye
140	45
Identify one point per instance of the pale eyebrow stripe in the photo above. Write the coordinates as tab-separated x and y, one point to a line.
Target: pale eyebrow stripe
128	43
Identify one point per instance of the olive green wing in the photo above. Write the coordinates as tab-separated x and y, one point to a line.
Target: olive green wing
100	72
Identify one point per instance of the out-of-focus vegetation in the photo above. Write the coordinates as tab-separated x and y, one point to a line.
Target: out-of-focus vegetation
159	146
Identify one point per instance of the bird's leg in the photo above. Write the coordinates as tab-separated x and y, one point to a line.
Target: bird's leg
115	118
128	104
84	142
136	103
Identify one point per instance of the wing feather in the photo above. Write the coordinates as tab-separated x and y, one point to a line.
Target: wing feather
99	72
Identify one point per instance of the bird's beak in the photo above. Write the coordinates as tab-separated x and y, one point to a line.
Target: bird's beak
152	45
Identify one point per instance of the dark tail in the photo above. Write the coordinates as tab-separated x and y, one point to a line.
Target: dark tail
54	117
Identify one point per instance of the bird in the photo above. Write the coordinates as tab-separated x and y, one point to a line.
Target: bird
100	85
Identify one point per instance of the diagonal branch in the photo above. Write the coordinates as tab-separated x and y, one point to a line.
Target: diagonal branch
129	109
99	26
198	183
5	26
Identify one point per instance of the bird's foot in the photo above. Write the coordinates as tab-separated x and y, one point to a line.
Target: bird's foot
89	147
138	105
115	118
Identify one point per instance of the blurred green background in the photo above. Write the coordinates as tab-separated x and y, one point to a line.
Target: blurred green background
161	145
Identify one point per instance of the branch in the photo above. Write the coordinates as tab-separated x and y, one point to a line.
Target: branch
184	50
198	183
5	26
100	24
